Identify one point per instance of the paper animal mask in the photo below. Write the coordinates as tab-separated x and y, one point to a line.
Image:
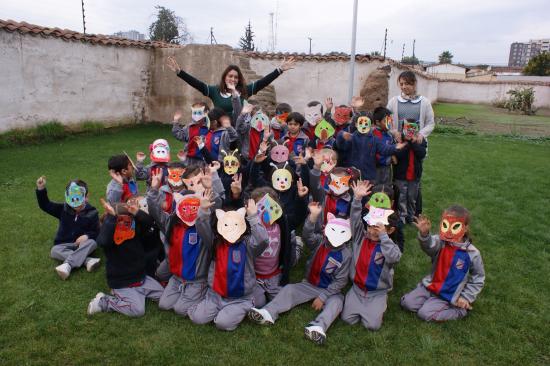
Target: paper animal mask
452	228
342	115
281	118
281	179
125	229
337	230
363	124
380	200
197	113
231	224
174	178
339	185
377	216
160	151
194	183
324	130
388	123
279	153
313	114
75	195
187	208
259	121
410	129
231	162
269	210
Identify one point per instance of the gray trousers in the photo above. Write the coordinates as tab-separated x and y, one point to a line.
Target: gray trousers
298	293
408	193
163	270
131	300
383	175
73	254
366	307
430	307
227	314
266	289
180	296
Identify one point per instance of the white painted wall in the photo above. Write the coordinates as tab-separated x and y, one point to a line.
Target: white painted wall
446	69
46	79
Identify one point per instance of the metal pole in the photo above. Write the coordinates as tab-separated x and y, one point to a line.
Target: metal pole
83	21
309	44
352	56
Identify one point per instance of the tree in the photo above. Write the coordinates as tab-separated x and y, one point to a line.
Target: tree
538	65
246	43
375	53
169	27
446	57
410	60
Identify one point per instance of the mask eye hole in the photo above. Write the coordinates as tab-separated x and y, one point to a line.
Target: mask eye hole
456	228
445	226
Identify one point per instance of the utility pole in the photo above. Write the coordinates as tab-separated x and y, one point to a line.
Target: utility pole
352	56
83	18
403	52
212	38
414	42
309	44
385	40
271	33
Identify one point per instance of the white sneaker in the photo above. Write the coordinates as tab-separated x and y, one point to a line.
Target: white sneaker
92	263
93	306
260	316
63	270
315	333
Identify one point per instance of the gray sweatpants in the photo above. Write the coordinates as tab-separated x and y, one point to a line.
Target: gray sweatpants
298	293
131	300
163	270
226	313
367	307
180	296
266	288
383	175
430	307
73	254
408	193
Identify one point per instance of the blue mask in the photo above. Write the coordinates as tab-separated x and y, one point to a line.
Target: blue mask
75	195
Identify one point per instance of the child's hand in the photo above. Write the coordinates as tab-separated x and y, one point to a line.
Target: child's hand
418	139
309	153
329	104
463	304
199	141
236	186
357	102
207	199
206	179
401	145
287	64
109	210
267	133
173	64
247	108
263	147
423	224
379	229
302	190
116	176
182	155
80	239
315	209
177	116
346	135
317	304
156	179
361	189
140	157
318	158
251	208
299	159
214	167
41	183
132	205
260	157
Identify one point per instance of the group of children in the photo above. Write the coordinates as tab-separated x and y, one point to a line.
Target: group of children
216	233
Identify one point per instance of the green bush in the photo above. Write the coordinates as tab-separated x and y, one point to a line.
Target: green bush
521	99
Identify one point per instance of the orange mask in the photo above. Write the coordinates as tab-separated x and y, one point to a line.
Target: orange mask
125	229
342	115
452	228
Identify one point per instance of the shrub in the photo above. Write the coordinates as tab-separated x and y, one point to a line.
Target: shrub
521	99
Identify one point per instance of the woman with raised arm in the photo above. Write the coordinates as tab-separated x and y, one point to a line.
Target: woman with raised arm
232	80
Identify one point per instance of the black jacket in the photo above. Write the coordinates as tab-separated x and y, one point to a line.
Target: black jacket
400	170
71	224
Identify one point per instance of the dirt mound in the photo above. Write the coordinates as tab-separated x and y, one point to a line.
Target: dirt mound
375	90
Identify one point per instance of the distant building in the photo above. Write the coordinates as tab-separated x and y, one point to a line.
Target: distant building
447	71
522	52
132	34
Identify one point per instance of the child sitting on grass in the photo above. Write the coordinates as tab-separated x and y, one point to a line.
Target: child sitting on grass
457	275
122	185
78	227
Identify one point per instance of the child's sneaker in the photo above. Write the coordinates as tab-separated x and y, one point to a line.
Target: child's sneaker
93	306
260	316
92	263
63	270
315	333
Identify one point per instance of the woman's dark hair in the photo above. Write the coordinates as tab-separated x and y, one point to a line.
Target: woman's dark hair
296	117
118	162
380	113
241	84
408	76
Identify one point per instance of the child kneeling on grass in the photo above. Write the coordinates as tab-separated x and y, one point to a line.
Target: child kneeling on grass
122	238
374	255
326	275
77	230
457	275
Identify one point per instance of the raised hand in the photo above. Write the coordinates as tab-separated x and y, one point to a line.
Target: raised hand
206	179
329	104
177	115
361	188
247	108
173	64
302	190
214	167
156	179
109	210
140	157
315	209
401	145
308	154
287	64
423	224
116	176
347	136
318	158
357	102
182	155
207	198
236	186
132	205
41	182
299	159
251	208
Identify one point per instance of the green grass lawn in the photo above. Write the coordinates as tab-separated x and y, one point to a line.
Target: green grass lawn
503	182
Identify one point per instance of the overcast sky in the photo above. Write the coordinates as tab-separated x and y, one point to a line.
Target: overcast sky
475	31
